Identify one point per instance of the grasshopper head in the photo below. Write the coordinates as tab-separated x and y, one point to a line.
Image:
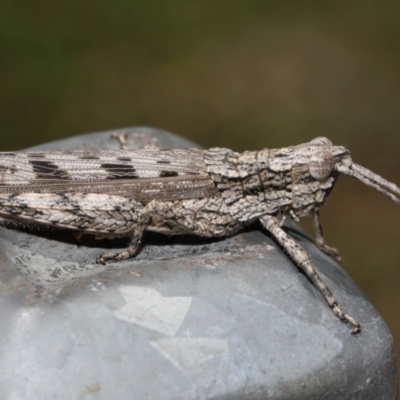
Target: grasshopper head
314	173
316	166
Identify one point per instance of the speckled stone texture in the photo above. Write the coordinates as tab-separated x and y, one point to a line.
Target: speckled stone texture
189	318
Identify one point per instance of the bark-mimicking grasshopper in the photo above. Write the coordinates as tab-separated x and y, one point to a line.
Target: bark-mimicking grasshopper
210	193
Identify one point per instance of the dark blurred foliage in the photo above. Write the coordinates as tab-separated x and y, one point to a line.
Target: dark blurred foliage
243	74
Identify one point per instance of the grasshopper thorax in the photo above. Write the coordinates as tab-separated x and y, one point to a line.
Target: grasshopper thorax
294	179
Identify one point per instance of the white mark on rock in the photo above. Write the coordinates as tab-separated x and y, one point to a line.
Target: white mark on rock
188	354
148	308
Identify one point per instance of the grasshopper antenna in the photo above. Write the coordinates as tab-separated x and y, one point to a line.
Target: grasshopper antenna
375	181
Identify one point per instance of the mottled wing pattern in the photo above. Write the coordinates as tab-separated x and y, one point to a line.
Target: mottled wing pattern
142	175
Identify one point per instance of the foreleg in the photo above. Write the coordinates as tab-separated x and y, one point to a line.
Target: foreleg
301	258
320	242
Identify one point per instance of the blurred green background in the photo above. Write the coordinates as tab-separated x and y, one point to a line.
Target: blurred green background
244	74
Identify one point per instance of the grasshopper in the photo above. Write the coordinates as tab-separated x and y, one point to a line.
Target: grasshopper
210	193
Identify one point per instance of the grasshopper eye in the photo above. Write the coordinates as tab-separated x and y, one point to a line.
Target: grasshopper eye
321	141
321	165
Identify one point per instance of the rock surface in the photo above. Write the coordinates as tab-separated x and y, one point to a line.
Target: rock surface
189	318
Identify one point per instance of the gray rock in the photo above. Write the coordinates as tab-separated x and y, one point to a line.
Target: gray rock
188	318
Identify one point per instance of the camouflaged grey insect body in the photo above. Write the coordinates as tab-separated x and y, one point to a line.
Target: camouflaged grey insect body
210	193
